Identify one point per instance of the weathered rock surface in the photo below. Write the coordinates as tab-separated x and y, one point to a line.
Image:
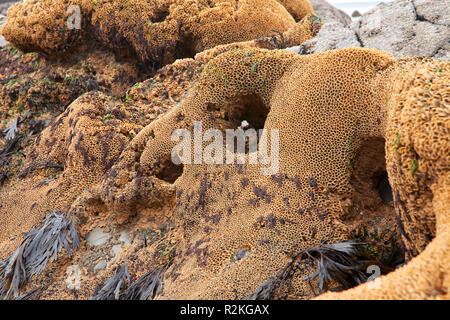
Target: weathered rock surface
329	13
332	35
402	28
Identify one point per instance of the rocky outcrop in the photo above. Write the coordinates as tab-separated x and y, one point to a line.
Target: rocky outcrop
329	13
332	35
402	28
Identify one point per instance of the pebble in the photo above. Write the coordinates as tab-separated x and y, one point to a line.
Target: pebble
100	265
96	237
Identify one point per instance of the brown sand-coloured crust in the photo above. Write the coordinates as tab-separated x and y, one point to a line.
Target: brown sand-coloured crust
157	31
418	163
326	106
271	216
212	200
224	209
145	102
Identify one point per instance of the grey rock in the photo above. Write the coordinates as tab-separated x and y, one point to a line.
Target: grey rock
436	11
96	237
332	36
73	280
396	28
295	49
3	42
401	27
329	13
4	6
240	255
100	265
125	237
115	250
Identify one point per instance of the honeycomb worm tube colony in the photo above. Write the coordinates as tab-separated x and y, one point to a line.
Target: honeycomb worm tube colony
363	162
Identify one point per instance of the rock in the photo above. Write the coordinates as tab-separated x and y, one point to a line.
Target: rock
125	238
436	11
397	28
115	250
332	36
3	42
356	14
100	265
329	13
5	6
240	255
96	237
295	49
402	28
73	280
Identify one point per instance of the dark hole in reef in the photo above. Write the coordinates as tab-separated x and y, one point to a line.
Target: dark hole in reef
185	48
246	112
381	183
372	208
369	177
169	171
160	16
